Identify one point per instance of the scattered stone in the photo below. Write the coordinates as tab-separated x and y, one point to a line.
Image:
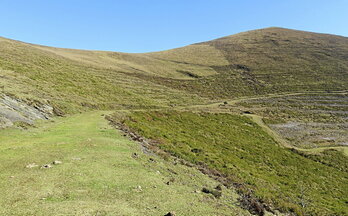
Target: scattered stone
46	166
196	150
215	193
32	165
205	190
252	204
219	187
329	139
171	180
139	188
135	155
77	158
11	176
57	162
248	112
170	214
172	171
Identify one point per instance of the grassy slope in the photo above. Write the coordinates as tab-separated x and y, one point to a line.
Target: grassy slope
272	60
238	147
251	63
31	72
103	182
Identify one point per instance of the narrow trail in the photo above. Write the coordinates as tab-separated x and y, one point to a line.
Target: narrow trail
256	118
235	101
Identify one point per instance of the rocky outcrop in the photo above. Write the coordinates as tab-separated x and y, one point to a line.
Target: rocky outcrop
14	110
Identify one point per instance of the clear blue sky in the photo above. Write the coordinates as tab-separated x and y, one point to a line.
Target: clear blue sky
151	25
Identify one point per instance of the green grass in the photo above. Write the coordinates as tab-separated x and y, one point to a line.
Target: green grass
35	73
239	148
272	60
98	175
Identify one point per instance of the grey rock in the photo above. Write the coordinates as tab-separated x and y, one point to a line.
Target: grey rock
32	165
15	110
57	162
46	166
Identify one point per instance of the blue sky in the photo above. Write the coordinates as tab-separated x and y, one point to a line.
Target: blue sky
152	25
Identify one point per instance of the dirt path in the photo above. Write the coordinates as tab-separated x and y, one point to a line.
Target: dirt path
235	101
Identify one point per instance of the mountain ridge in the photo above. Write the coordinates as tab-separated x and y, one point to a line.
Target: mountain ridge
221	37
263	61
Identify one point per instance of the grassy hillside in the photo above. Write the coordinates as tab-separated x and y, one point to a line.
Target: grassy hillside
268	61
238	148
35	73
250	63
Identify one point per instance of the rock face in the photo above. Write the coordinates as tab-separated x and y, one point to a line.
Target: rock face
14	110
